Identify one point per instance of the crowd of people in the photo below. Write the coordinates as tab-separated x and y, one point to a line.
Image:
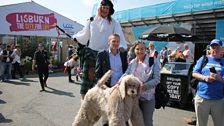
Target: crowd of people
107	46
137	60
10	62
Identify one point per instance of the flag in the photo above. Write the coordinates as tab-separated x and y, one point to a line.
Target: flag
54	48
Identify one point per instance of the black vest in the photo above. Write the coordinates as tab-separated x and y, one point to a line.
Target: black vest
4	52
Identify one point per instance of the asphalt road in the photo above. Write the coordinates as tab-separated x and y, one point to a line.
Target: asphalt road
21	104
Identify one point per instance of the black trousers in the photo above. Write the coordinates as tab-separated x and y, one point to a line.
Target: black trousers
43	75
69	73
16	67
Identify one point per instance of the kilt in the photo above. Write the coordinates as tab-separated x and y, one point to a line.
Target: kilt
89	61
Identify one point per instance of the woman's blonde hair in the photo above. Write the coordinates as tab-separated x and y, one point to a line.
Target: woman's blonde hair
138	43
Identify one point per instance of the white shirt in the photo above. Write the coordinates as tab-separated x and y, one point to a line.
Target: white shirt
16	57
116	67
152	52
69	63
144	72
188	55
98	32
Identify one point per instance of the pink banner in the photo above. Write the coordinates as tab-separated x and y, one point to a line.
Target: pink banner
31	21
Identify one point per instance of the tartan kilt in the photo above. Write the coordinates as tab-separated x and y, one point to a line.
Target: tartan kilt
89	61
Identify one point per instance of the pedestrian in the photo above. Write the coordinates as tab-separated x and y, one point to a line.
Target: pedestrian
192	120
77	70
6	66
164	56
16	62
150	77
96	33
111	59
70	64
41	62
177	56
131	54
187	54
70	54
209	97
152	50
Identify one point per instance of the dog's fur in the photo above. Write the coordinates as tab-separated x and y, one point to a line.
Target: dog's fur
118	104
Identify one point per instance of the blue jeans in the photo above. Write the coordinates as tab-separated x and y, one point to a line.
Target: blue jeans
6	70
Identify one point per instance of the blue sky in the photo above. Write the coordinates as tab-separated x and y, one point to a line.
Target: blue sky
80	10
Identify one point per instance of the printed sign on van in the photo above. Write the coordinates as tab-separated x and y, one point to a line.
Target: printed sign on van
31	21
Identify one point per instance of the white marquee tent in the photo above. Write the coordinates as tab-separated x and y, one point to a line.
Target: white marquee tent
32	19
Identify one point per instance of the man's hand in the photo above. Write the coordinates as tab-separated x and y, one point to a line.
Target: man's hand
216	76
33	67
209	79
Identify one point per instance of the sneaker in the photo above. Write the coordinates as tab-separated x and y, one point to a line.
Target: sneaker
71	81
22	79
14	78
42	90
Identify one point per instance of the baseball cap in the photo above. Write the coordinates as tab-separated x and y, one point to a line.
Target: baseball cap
216	42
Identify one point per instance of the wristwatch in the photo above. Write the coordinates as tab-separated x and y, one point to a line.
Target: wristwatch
203	78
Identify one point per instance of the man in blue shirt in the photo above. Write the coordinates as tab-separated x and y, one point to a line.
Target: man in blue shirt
111	59
209	97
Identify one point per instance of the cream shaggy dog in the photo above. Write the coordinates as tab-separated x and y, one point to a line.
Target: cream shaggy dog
118	104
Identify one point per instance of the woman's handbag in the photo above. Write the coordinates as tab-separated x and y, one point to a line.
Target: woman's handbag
66	69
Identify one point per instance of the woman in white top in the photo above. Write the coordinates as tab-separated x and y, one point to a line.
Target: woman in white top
150	77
